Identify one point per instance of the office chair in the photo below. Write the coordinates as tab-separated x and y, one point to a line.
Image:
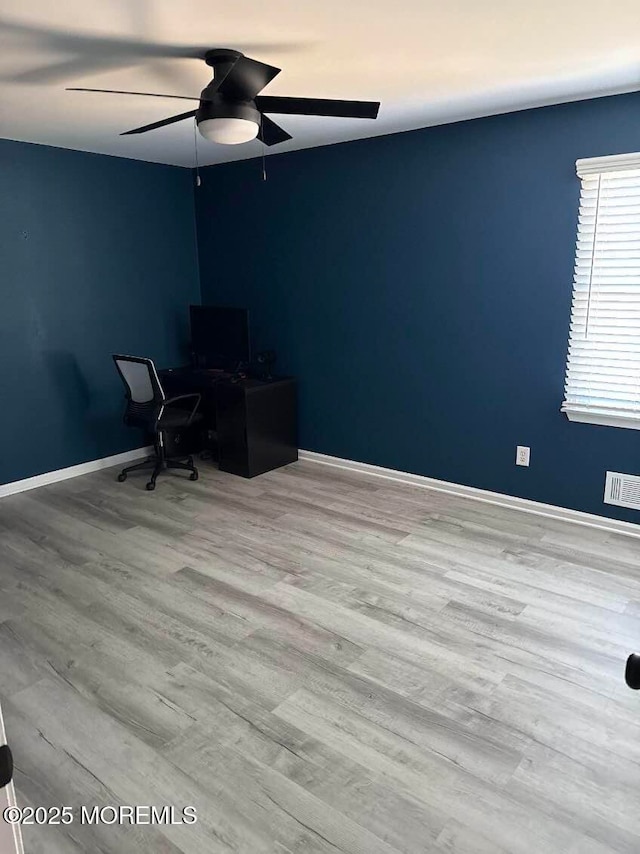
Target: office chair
148	409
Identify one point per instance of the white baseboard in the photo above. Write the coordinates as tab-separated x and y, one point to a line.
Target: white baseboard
612	526
72	471
526	505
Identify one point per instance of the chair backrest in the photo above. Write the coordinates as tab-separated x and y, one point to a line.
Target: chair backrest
144	391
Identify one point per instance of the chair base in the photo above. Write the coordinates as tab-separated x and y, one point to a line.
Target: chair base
159	463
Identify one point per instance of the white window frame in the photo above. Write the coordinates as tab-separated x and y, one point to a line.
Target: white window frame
586	169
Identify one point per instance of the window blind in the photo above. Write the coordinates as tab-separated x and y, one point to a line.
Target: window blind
602	383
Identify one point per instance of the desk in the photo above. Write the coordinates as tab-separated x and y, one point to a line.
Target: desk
250	426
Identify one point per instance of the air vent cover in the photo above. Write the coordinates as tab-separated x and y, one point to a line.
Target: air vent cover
623	490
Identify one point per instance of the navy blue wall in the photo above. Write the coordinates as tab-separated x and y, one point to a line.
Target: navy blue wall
97	255
419	285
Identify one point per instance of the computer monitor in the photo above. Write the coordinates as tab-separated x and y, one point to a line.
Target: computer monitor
220	336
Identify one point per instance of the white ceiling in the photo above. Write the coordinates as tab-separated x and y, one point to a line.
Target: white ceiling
428	62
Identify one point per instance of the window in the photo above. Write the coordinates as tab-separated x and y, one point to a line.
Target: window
602	383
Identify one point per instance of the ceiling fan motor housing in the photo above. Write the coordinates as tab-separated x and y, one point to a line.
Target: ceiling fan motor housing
220	107
221	56
215	105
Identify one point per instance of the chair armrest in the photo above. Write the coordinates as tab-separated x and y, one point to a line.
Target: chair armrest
182	397
198	398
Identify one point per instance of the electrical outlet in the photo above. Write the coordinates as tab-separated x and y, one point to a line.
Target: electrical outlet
522	455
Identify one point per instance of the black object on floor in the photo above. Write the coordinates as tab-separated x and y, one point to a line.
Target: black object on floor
632	672
6	766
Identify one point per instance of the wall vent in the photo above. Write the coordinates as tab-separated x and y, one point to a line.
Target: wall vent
623	490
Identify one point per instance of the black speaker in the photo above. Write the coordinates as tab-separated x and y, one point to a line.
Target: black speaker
266	360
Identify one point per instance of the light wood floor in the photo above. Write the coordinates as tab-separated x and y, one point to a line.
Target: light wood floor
318	661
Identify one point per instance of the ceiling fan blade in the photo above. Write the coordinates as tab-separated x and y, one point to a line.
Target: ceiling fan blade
58	72
161	123
177	77
89	43
96	51
270	133
247	78
210	90
121	92
318	107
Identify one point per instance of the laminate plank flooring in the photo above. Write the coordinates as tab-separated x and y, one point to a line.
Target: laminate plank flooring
319	662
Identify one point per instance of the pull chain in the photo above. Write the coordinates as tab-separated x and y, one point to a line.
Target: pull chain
195	148
264	148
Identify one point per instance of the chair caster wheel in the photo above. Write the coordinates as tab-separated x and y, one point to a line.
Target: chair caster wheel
151	486
193	475
122	477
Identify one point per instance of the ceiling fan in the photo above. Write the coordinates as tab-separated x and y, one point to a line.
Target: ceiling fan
231	109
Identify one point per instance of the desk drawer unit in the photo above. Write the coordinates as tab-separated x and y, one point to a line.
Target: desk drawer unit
257	426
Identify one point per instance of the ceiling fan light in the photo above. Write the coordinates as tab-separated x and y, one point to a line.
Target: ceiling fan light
228	131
